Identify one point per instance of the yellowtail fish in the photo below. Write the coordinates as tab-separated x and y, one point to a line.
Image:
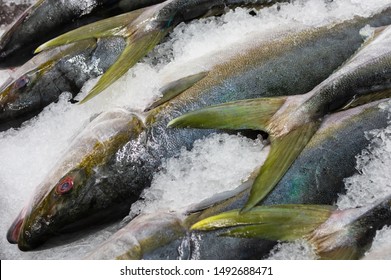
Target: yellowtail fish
291	121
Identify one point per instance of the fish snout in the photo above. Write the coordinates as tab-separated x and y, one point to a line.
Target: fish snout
34	232
13	232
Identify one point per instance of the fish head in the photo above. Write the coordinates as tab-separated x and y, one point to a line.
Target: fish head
80	190
59	207
38	82
18	95
23	93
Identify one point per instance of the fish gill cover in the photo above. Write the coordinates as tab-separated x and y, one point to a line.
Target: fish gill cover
29	152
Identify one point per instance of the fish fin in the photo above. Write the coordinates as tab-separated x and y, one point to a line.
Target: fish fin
367	98
115	26
244	114
341	253
175	88
137	47
284	150
279	222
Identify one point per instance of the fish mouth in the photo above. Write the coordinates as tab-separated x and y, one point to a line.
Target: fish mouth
13	233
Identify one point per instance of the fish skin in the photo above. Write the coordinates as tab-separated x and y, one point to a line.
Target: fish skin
49	18
64	69
340	138
131	168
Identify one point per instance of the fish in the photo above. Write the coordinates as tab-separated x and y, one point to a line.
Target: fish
132	166
177	235
90	149
67	68
46	76
144	29
291	121
334	234
47	19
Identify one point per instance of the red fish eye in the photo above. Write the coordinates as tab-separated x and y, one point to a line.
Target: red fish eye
64	186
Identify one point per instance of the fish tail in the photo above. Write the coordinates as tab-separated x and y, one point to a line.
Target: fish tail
141	35
255	114
278	222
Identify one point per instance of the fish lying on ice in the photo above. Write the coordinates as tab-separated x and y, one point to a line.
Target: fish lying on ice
64	69
66	192
42	79
167	235
291	121
143	29
334	234
129	170
47	19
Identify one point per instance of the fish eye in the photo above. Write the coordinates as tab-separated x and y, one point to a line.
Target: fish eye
64	186
22	82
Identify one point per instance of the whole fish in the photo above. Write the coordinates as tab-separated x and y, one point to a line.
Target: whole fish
164	235
291	121
47	19
42	79
131	168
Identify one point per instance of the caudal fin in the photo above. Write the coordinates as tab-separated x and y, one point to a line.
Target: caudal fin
255	114
333	234
280	222
141	37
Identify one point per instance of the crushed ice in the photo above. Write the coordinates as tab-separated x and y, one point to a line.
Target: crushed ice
29	152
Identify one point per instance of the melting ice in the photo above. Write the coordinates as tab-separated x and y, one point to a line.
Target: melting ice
28	153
